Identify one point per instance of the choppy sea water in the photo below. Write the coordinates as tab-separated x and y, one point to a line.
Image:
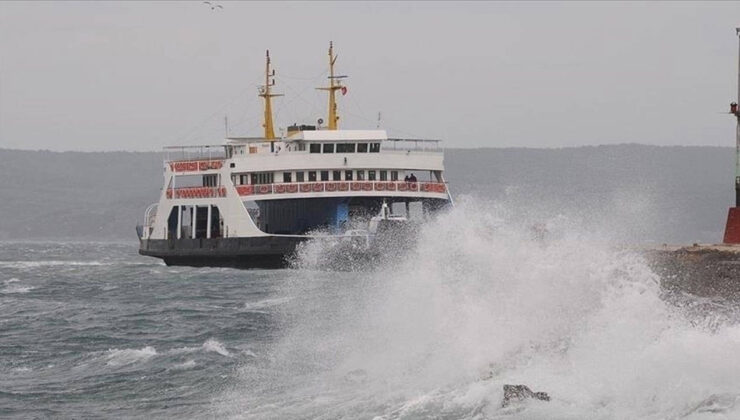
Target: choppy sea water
94	330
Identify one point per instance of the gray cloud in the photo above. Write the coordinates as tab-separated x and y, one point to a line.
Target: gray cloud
137	76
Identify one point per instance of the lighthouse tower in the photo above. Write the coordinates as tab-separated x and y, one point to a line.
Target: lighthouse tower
732	230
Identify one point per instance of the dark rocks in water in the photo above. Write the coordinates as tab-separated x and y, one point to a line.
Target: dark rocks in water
515	393
701	270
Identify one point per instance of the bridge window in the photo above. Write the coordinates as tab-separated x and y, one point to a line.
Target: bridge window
361	147
315	148
210	180
348	175
328	147
336	176
394	175
383	175
300	176
287	177
374	147
345	148
371	175
324	175
311	176
262	178
360	175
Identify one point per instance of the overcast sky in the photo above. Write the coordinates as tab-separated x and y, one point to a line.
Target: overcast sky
141	75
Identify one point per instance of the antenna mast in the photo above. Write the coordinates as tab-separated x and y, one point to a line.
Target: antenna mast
265	92
334	86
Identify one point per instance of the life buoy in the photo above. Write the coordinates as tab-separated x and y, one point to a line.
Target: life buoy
356	186
428	187
202	166
343	186
331	186
318	187
264	189
379	186
305	187
279	189
402	186
413	186
367	186
390	186
291	188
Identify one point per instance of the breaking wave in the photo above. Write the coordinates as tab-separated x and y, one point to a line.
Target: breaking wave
216	347
13	286
118	357
482	300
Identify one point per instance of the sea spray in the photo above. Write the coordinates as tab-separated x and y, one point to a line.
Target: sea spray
480	301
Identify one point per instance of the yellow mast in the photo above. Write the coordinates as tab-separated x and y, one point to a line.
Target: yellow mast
268	95
334	85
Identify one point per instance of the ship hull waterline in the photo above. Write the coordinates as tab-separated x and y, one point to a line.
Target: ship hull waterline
257	252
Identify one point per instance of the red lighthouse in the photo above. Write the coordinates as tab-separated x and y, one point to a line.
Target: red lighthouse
732	230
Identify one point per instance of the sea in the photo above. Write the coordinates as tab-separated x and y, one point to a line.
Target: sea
479	300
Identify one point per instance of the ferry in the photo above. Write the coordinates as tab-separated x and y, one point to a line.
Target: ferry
251	201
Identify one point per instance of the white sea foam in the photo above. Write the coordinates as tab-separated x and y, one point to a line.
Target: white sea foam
50	263
12	286
476	305
266	303
215	346
189	364
184	350
122	357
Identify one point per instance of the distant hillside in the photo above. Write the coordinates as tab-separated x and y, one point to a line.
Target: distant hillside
74	195
664	194
647	193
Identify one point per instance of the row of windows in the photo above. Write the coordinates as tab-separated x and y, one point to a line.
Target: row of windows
313	176
347	175
344	147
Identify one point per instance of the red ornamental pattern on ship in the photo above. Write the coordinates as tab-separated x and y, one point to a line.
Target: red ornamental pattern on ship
428	187
197	165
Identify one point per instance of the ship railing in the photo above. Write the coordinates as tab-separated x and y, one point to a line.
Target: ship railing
150	214
196	192
197	152
195	158
423	145
342	186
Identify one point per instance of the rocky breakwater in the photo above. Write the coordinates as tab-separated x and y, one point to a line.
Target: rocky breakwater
702	270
